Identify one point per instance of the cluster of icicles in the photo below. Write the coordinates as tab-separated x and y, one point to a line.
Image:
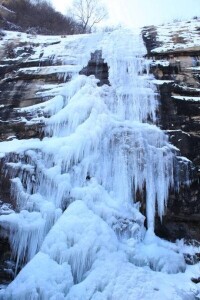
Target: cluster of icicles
76	189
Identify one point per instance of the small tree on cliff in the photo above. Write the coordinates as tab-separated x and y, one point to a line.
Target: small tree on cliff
88	13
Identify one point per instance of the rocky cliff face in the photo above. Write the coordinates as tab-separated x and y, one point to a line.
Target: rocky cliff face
29	75
174	54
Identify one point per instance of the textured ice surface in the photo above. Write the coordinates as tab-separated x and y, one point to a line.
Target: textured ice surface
79	224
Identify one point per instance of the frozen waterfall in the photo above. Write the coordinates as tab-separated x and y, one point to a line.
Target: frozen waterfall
77	226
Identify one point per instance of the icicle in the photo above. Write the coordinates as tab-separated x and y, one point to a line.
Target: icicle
26	234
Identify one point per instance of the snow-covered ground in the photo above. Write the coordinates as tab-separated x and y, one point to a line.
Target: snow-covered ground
79	227
177	36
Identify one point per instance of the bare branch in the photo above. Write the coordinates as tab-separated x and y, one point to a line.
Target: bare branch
88	13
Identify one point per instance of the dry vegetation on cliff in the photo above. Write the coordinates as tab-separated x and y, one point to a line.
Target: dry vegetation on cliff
24	15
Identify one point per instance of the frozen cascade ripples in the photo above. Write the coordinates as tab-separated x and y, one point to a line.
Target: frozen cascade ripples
78	225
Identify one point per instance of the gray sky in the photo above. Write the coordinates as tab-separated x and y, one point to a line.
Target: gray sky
143	12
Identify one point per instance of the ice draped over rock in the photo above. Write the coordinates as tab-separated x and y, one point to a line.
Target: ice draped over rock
78	223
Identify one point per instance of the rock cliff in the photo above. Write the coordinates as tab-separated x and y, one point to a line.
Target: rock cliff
174	54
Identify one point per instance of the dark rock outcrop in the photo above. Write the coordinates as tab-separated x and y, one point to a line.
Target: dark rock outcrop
20	85
97	67
7	265
178	84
